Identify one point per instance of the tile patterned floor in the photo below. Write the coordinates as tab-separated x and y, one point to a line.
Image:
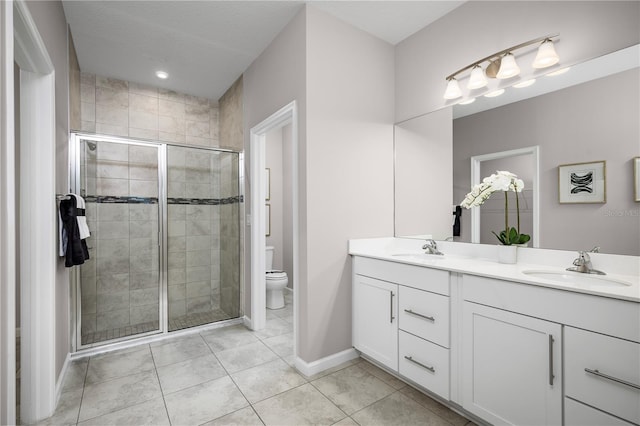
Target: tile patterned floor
234	376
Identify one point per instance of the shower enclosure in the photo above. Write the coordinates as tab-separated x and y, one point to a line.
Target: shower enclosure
165	237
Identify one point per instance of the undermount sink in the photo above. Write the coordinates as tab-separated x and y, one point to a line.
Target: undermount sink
575	278
419	256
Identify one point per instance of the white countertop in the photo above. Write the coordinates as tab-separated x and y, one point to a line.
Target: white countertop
480	259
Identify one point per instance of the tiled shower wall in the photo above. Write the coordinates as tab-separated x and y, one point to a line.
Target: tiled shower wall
120	281
194	231
122	108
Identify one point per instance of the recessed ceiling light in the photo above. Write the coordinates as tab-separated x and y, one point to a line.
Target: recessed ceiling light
494	93
559	72
525	83
467	101
162	74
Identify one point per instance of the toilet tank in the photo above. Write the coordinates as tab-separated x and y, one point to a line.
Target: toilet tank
269	258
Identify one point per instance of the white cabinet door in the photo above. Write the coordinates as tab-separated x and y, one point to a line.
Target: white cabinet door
511	367
375	323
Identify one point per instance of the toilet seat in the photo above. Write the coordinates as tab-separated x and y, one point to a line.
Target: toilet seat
276	275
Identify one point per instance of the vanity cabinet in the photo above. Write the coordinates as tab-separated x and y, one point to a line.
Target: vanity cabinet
375	326
602	372
400	324
511	367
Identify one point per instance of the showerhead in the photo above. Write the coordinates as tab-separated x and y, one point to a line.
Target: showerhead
91	145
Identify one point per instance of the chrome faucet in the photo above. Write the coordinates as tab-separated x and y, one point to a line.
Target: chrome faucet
431	247
583	264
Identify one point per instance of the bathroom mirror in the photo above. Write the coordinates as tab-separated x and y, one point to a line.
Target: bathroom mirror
592	115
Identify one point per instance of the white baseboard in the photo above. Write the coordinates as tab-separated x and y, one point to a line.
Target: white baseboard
317	366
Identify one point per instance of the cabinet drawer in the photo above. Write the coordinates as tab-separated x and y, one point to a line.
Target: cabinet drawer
600	354
577	414
425	363
419	277
424	314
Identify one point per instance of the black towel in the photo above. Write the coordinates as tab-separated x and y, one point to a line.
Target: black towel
456	221
76	251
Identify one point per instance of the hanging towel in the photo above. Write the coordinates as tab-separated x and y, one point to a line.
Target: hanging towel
81	217
75	250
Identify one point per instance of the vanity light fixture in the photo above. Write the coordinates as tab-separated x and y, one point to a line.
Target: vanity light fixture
453	89
163	75
525	83
501	65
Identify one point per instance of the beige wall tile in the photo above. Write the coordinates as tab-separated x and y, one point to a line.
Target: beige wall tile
172	125
143	188
112	319
177	309
144	103
112	97
198	112
143	120
88	79
88	126
143	134
194	140
143	89
171	95
115	187
195	100
177	276
143	172
111	83
88	111
198	289
110	129
171	137
112	169
200	273
177	292
199	129
143	314
171	109
111	115
88	93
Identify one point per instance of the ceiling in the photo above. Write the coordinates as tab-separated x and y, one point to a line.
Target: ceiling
206	45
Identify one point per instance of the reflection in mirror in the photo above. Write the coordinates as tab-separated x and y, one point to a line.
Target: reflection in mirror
595	120
490	216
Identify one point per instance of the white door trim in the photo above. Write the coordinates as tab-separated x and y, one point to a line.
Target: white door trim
38	219
7	221
286	115
476	162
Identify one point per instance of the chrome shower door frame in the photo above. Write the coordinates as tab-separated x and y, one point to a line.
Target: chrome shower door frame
76	300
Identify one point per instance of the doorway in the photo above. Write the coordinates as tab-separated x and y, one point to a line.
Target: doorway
287	118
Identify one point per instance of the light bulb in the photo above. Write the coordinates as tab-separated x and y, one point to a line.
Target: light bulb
162	75
508	67
546	56
453	90
477	78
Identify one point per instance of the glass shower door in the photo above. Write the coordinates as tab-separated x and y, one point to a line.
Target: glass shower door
203	237
120	283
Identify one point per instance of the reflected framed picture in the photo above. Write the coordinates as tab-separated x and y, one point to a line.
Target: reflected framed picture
268	219
582	183
636	178
267	184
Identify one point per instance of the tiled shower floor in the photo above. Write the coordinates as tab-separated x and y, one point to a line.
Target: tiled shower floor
178	323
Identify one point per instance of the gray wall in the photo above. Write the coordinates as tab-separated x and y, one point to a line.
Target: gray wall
479	28
52	25
593	121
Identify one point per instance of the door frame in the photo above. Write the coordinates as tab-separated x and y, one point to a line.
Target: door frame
286	115
38	219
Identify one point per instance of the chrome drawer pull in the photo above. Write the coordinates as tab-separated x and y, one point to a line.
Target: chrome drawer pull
551	376
613	379
409	311
408	358
391	317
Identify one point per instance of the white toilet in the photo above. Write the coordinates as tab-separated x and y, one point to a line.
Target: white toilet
276	282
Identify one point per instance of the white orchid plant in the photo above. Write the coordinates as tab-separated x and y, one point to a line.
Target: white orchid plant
499	181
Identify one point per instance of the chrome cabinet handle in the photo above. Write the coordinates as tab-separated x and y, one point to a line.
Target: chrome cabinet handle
613	379
409	311
409	358
551	376
391	317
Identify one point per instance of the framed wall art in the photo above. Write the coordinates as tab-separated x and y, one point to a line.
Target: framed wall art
582	183
636	179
